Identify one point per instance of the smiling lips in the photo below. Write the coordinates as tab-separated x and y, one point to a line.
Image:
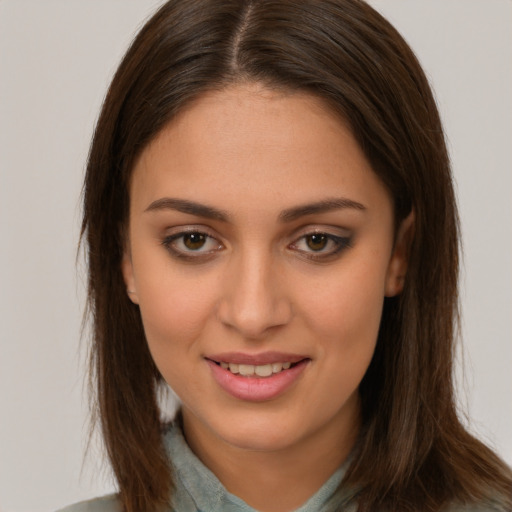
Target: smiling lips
256	378
249	370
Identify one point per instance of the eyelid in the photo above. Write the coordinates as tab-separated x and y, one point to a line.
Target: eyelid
191	228
326	229
190	255
342	238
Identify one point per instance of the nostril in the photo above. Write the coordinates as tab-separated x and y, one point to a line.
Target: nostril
254	317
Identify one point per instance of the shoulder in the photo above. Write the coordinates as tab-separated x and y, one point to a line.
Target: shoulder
108	503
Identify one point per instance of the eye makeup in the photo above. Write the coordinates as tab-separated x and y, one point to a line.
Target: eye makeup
196	244
192	244
320	246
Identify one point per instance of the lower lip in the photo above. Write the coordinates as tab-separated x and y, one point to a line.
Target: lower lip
256	389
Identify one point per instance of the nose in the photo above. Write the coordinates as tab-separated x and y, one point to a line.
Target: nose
254	301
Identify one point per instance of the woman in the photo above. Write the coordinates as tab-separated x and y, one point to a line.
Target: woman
272	231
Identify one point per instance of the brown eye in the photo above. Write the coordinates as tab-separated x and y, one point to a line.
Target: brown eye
194	241
317	242
321	247
192	245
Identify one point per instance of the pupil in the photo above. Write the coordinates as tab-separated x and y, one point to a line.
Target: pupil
194	241
317	242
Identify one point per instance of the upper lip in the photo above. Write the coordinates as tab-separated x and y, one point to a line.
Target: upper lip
256	359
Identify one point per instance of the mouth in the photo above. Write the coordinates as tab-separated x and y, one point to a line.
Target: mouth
257	378
252	370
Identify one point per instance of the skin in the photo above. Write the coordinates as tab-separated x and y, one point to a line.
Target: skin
262	283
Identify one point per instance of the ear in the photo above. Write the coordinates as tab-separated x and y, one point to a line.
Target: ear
397	268
129	278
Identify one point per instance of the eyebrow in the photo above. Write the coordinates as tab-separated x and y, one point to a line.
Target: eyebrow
190	207
327	205
288	215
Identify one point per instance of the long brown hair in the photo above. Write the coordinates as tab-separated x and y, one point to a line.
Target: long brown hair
413	453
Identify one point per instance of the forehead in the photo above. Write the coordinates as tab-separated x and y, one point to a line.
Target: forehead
249	144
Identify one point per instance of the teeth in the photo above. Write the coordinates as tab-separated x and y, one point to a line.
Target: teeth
265	370
248	370
277	367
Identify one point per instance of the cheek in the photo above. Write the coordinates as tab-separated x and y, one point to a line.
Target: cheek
174	317
171	315
174	307
345	312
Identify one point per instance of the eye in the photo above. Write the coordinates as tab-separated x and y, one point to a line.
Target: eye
194	241
317	241
320	246
191	244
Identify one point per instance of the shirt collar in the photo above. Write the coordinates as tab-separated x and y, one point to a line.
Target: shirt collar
198	489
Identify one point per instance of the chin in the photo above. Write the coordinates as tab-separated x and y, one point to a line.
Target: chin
260	438
256	430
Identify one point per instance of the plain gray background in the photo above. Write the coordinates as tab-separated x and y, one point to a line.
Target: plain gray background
56	59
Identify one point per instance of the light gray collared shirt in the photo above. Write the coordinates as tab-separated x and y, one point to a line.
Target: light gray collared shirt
197	489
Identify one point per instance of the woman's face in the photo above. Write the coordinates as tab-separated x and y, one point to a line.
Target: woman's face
260	251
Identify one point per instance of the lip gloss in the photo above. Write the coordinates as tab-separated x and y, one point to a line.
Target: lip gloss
253	388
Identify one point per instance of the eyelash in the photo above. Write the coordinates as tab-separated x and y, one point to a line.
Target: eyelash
169	242
340	244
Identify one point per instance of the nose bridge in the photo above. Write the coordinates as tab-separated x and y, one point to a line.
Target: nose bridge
253	300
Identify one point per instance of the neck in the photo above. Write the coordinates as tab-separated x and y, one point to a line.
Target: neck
277	480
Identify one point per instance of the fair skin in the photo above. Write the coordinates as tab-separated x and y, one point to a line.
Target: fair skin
259	235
